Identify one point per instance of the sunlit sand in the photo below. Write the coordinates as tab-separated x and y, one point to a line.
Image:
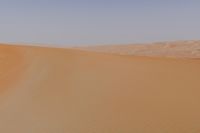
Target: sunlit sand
57	90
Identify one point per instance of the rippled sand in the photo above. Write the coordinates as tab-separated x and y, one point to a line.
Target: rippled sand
53	90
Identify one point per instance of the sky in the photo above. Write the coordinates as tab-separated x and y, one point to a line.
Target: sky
96	22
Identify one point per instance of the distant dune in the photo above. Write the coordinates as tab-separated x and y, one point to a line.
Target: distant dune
178	49
54	90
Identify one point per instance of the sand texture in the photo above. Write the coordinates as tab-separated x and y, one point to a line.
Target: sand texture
54	90
177	49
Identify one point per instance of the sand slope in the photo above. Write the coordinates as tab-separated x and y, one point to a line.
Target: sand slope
49	90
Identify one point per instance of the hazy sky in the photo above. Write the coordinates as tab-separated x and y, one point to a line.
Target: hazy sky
78	22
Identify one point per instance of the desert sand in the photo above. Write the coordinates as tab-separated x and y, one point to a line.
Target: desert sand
172	49
55	90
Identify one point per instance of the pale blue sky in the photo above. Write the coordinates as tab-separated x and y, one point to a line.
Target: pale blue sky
79	22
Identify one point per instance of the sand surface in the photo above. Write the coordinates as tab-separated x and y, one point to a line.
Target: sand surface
51	90
177	49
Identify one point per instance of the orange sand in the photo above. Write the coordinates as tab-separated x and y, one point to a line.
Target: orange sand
50	90
12	64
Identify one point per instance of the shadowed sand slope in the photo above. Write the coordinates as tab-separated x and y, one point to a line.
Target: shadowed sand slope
49	90
180	49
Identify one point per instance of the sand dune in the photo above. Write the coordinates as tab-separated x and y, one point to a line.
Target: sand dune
51	90
177	49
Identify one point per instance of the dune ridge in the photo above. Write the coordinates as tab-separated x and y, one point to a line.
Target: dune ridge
75	91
